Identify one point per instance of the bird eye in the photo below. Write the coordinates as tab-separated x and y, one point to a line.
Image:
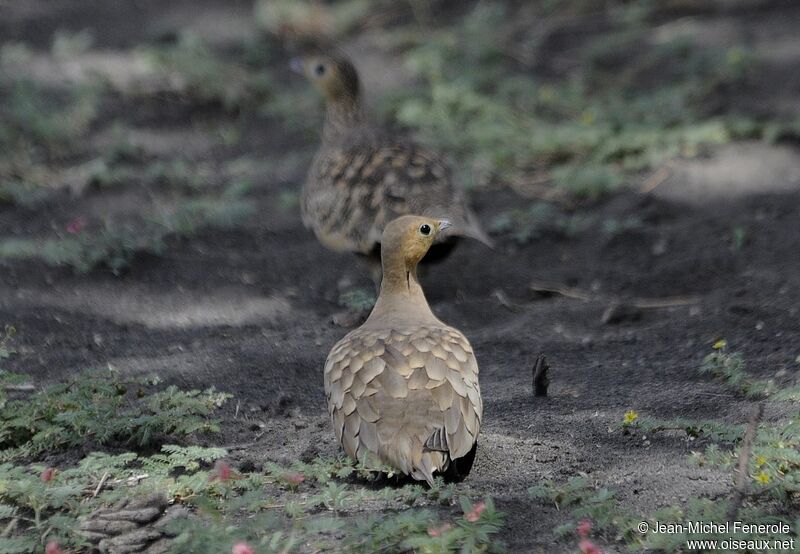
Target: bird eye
319	70
425	229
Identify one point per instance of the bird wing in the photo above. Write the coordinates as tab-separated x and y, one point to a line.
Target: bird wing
355	189
389	392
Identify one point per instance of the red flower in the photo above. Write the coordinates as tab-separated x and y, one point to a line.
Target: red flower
475	514
53	548
439	531
294	478
76	225
588	547
222	472
47	475
584	528
242	548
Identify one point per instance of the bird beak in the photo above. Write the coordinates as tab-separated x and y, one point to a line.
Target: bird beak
296	65
444	224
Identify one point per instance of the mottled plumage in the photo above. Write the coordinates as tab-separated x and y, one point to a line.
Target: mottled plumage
362	177
403	388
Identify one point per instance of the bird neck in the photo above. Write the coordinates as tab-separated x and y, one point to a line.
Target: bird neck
342	114
401	295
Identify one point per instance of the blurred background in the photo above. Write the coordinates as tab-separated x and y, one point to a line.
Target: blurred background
150	113
635	161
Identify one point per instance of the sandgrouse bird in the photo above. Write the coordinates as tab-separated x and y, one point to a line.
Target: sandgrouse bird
403	389
363	177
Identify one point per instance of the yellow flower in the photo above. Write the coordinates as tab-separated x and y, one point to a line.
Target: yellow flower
763	477
761	460
587	117
630	417
720	344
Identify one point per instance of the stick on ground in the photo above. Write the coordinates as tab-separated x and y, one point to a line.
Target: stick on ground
541	379
24	387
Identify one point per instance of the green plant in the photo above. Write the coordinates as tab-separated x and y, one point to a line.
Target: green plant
738	237
38	127
708	429
584	500
30	118
773	465
241	507
68	45
422	531
617	114
357	299
263	531
37	502
24	194
116	246
274	509
6	340
288	200
731	368
99	408
41	502
530	223
200	74
526	223
615	227
590	180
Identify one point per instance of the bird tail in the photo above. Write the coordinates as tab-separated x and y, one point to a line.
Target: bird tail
430	462
472	228
409	456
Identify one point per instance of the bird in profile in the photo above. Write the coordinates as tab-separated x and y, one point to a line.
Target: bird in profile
363	177
402	389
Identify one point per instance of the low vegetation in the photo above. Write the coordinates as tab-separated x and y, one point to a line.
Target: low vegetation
486	91
587	130
114	246
770	487
326	503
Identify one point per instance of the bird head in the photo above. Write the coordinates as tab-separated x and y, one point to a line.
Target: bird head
334	76
410	236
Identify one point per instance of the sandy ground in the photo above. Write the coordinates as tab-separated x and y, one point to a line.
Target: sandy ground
249	310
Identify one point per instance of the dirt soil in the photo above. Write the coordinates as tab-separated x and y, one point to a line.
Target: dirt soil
249	310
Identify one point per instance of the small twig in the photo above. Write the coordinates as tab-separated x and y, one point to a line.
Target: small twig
102	482
558	288
740	489
541	379
586	296
10	527
46	532
24	387
666	302
505	301
662	174
134	480
129	481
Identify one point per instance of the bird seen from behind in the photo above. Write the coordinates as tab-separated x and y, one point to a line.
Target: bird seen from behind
402	389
